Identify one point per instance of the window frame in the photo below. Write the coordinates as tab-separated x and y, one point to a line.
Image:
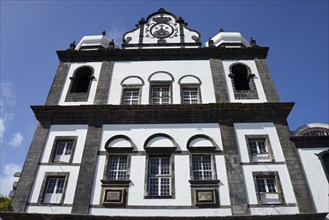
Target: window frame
131	88
120	155
73	96
268	148
44	186
171	177
278	187
58	139
212	165
161	85
190	87
252	92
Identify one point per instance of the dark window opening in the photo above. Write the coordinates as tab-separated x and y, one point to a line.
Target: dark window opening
81	80
325	159
241	78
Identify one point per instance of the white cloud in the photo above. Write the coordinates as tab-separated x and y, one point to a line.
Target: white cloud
116	30
7	178
7	95
16	140
2	128
7	99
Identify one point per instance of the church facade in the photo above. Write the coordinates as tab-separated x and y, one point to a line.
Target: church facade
165	127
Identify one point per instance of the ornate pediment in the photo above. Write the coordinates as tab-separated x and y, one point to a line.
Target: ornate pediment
161	29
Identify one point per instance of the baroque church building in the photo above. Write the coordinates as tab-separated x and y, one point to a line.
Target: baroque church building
166	127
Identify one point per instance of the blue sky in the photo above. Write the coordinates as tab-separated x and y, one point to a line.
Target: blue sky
32	32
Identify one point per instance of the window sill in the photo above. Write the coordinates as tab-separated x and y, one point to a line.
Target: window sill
124	183
195	183
158	197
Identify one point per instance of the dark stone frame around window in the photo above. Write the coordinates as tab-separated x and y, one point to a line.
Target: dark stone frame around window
268	145
161	84
131	87
244	94
54	148
43	188
190	86
172	178
79	96
278	185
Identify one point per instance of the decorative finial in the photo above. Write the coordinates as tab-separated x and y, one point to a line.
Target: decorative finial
253	42
111	44
72	45
141	21
211	43
103	33
162	10
221	30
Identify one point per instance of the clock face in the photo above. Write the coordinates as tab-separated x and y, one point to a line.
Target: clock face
162	30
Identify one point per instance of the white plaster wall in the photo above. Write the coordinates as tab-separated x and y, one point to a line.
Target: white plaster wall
161	212
180	133
316	177
97	68
243	129
224	193
138	133
66	130
51	209
282	170
70	187
198	68
274	210
97	185
258	83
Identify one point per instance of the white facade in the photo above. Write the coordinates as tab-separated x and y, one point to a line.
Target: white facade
91	96
180	133
172	73
274	167
316	177
259	87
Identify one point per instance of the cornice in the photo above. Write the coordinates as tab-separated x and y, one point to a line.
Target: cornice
163	54
310	141
159	114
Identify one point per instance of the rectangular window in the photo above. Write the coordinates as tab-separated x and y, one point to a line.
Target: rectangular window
63	150
160	95
130	97
159	176
202	168
268	190
190	95
259	149
117	168
54	190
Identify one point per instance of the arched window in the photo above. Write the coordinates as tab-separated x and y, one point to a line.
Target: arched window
81	80
243	83
240	77
80	84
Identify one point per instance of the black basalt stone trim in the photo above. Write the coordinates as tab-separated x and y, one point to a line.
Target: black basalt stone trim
310	141
267	81
58	84
87	170
164	54
235	177
35	216
158	114
103	86
296	172
218	76
29	171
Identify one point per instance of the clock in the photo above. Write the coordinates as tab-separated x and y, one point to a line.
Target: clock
161	30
